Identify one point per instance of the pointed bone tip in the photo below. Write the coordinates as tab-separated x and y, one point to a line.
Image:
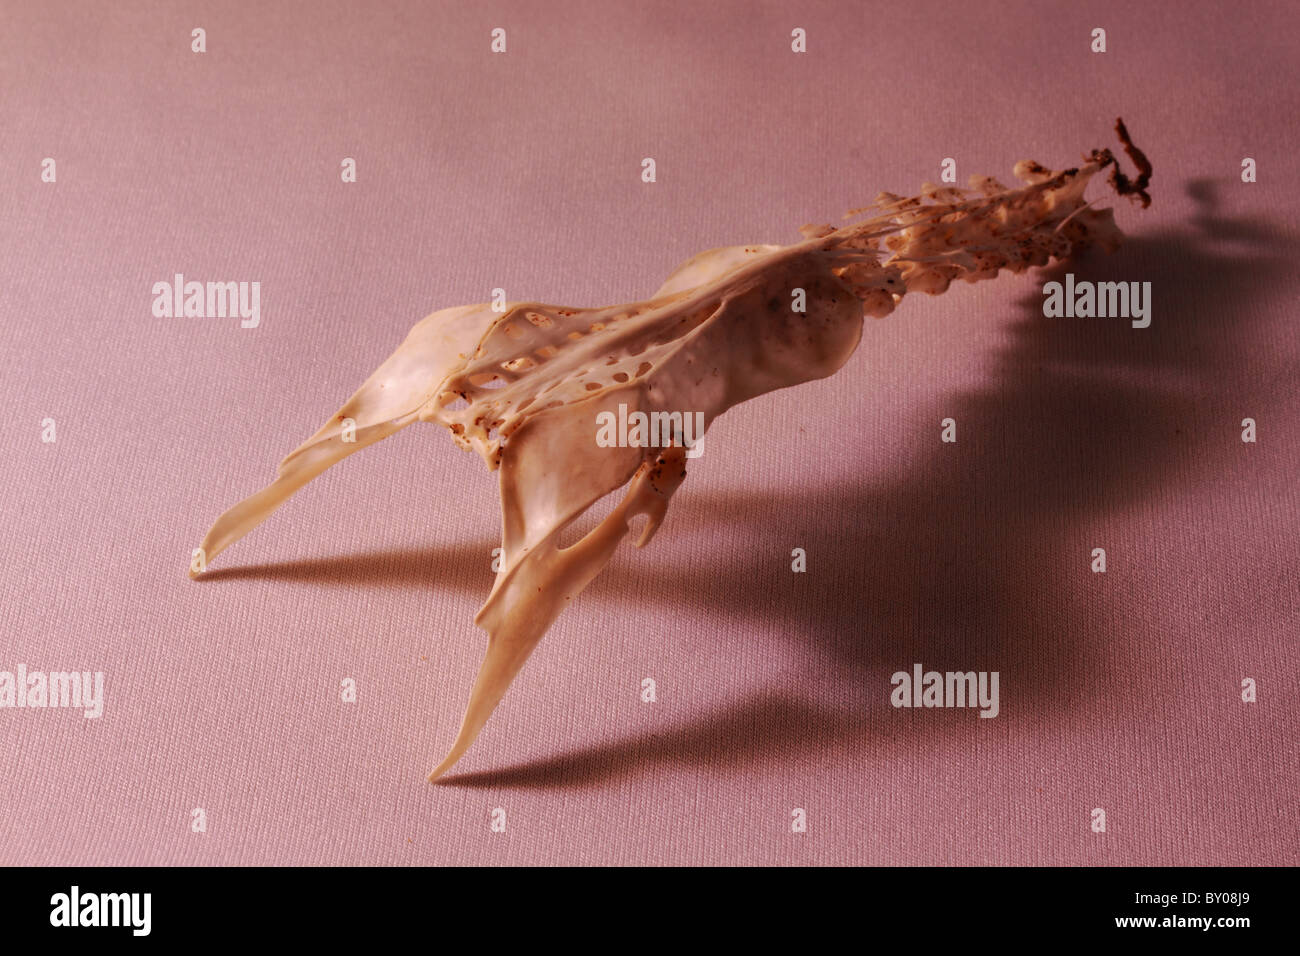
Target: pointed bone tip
447	763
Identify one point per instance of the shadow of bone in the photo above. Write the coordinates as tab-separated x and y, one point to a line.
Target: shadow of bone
971	549
765	727
460	567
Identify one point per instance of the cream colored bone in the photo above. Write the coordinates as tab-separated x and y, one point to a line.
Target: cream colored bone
523	388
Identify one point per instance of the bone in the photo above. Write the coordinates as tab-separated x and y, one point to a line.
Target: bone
523	387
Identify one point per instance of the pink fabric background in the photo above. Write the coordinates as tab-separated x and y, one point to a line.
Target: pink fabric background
1119	691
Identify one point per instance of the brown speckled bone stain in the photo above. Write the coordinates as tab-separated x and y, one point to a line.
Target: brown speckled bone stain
523	387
